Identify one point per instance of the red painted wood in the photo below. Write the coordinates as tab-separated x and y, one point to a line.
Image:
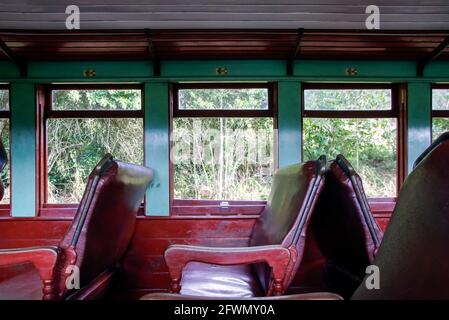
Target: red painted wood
144	266
215	44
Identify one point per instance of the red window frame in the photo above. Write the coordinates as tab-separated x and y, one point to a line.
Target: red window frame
45	112
198	207
5	209
383	205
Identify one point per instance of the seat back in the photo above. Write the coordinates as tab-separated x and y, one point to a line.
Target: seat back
344	227
286	216
3	163
104	222
413	258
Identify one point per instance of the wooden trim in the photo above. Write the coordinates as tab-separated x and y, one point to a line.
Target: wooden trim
344	86
182	207
440	113
440	86
96	114
349	114
203	113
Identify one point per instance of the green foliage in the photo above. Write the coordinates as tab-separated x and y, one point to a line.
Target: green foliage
76	145
440	99
369	144
350	99
96	100
4	134
4	100
223	158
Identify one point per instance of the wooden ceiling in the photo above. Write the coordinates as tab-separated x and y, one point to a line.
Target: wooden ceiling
222	44
221	14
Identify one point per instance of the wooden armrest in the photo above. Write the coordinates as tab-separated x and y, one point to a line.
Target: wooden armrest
43	258
177	256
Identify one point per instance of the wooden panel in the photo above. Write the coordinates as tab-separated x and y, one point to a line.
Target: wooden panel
222	44
139	14
144	268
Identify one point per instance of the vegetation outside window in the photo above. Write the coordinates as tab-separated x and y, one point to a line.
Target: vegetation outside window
5	136
440	110
358	121
223	141
82	124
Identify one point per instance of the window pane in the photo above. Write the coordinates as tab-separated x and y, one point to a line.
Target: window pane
439	126
223	158
76	145
4	134
96	99
347	99
440	99
223	99
369	144
4	99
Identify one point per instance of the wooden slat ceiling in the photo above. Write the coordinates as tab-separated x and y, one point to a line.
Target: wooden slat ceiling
219	14
223	44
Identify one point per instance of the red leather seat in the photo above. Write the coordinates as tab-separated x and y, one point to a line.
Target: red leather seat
267	265
413	258
96	241
344	228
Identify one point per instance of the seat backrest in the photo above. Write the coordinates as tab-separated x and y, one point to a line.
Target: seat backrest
286	216
3	163
344	228
104	223
413	257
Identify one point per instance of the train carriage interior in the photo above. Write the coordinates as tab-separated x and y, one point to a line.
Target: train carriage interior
224	150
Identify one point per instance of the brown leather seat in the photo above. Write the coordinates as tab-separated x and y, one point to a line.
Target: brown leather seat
344	228
413	258
3	163
267	265
96	241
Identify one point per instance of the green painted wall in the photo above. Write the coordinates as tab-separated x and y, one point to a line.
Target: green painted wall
419	120
157	147
23	150
157	106
289	123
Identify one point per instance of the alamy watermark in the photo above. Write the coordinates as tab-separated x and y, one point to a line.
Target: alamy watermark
72	22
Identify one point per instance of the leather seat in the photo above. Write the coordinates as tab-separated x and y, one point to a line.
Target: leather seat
413	258
344	228
267	265
95	242
219	281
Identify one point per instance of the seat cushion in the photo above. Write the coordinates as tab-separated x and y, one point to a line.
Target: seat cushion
25	285
202	279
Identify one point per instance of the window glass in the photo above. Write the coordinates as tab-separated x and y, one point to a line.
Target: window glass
440	99
76	145
223	99
5	175
114	99
4	99
368	144
223	158
347	99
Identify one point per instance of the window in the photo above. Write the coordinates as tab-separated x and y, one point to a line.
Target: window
81	124
440	110
360	122
223	141
4	134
